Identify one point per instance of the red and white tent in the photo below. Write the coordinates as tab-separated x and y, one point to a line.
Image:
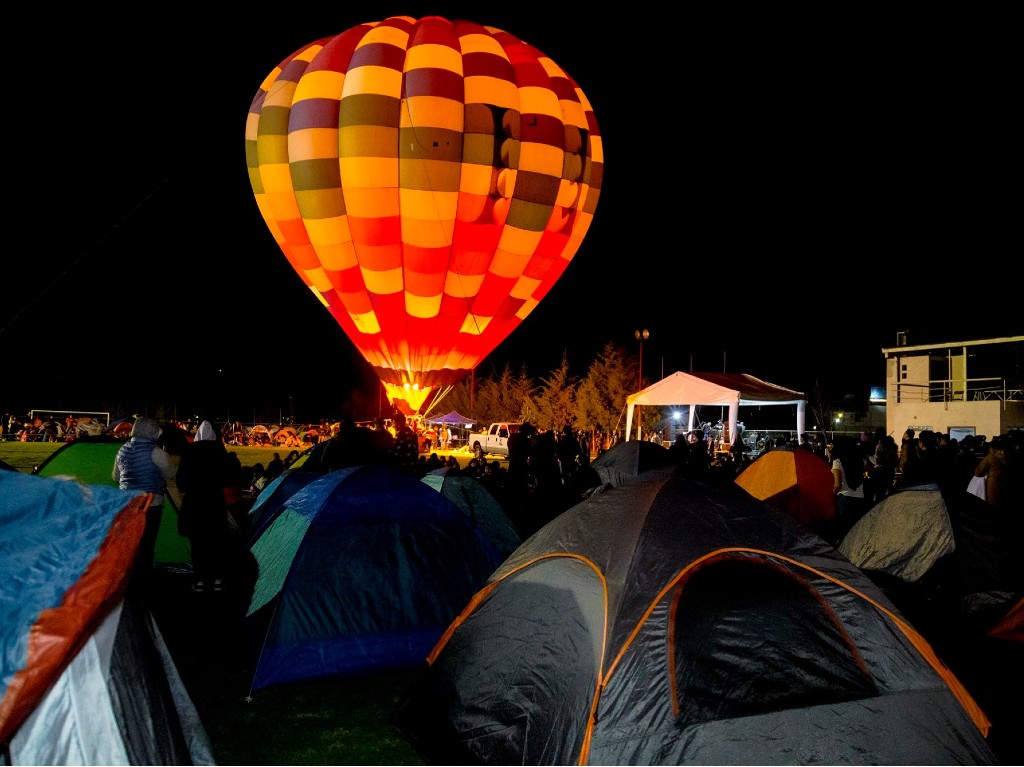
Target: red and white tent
726	389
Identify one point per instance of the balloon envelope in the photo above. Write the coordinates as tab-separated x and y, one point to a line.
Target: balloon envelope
429	180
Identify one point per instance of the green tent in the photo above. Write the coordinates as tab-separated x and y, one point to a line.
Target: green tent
470	495
91	460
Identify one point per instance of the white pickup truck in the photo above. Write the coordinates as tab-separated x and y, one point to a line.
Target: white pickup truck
494	440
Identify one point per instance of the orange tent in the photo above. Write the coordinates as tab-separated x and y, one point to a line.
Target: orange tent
796	482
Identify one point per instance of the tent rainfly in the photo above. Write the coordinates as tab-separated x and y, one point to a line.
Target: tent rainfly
732	389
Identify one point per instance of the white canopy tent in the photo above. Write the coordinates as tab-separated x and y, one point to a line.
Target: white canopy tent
731	389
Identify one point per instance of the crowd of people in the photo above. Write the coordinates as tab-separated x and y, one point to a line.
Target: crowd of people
208	477
37	428
868	468
549	470
545	472
43	428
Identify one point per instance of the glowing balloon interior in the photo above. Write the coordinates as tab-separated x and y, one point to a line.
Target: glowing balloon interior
429	180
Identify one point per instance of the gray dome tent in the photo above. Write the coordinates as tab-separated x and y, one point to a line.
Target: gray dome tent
625	461
669	622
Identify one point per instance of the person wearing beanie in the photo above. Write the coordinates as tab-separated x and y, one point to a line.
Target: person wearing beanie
143	466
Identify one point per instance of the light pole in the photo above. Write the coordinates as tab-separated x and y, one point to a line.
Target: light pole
641	336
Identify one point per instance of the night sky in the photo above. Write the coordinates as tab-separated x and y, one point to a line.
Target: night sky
782	195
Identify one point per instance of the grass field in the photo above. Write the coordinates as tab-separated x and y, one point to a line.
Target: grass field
24	456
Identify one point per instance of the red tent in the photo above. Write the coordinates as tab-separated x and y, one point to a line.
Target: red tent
796	482
1012	625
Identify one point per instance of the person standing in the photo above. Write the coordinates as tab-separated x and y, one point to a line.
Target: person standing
693	456
431	439
910	460
569	454
886	461
847	483
203	473
406	448
1004	478
964	464
275	467
142	465
237	508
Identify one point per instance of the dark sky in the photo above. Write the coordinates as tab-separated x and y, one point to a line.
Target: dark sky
782	195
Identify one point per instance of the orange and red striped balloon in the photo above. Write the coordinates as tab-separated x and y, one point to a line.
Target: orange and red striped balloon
429	180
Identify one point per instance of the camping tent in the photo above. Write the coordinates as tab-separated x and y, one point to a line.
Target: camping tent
87	677
121	428
355	446
91	460
1011	625
671	622
958	541
625	461
361	570
726	389
274	496
903	535
796	482
454	418
470	495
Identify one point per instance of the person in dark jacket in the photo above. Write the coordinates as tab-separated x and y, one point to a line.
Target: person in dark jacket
570	454
406	447
203	473
275	467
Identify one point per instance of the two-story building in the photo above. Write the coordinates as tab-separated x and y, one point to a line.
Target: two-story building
961	387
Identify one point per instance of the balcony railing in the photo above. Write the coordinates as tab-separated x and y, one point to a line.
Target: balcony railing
960	390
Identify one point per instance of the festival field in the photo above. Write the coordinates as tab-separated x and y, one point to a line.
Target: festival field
348	721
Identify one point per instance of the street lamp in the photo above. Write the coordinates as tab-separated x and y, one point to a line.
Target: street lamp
641	336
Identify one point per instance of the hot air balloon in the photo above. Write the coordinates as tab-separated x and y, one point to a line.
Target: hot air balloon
429	180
